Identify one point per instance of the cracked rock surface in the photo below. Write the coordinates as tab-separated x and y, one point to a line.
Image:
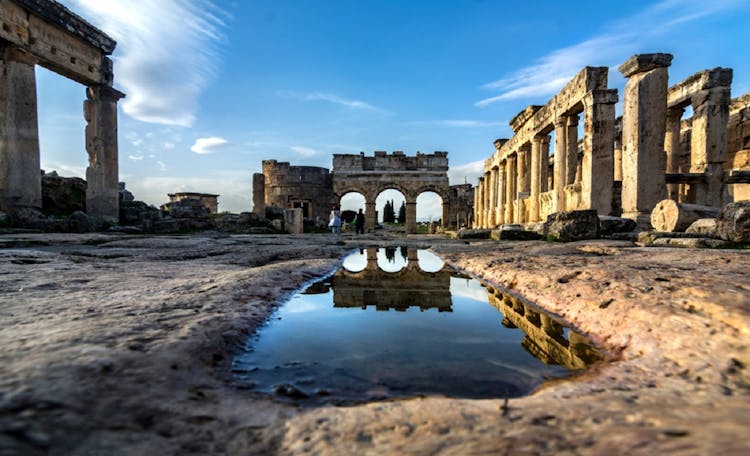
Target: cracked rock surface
114	344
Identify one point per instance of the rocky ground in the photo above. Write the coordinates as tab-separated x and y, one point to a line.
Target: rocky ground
115	344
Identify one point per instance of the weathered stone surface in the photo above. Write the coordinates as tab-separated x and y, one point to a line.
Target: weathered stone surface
137	212
733	222
670	216
187	208
79	222
691	242
609	225
640	63
62	195
514	233
704	227
572	226
649	237
473	234
125	194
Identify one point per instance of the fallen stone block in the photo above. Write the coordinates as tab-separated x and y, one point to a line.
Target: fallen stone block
733	222
704	227
609	225
570	226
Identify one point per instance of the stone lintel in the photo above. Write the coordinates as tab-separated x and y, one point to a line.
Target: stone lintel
104	92
498	143
520	119
603	96
739	103
641	63
680	94
57	14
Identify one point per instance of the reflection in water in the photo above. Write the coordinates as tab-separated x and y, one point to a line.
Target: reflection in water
442	339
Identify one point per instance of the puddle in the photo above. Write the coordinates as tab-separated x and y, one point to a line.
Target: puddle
397	322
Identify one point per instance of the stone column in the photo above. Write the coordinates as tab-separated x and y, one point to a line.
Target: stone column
100	112
618	159
492	197
511	178
571	139
479	204
672	147
536	178
544	165
501	198
370	214
597	167
524	171
561	162
643	129
708	140
259	194
411	216
446	214
20	173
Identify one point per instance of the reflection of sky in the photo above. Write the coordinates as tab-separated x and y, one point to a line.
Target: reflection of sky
397	263
468	288
356	261
429	262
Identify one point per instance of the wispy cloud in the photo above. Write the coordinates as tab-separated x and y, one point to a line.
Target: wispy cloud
138	157
208	145
167	53
329	97
459	123
466	173
162	165
551	72
304	151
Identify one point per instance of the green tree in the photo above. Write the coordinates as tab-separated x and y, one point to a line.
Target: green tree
388	214
402	213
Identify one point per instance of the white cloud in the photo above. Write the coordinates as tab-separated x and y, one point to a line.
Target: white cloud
551	72
138	157
466	173
167	53
208	145
168	145
304	151
162	165
329	97
63	169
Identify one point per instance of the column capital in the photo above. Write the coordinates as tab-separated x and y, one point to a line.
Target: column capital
601	96
640	63
103	92
560	122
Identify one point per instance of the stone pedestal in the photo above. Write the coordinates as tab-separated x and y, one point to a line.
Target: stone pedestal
100	112
643	131
20	177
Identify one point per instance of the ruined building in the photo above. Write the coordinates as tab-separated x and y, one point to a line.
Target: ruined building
207	199
309	188
43	32
620	166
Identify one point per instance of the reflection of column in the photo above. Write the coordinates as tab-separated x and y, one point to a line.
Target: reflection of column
501	196
411	216
597	168
643	127
708	140
20	178
672	147
571	140
372	259
102	191
561	161
536	179
370	215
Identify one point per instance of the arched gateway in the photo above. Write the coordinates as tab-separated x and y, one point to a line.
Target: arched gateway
410	175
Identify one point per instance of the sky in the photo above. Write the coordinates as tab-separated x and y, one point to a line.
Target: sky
214	87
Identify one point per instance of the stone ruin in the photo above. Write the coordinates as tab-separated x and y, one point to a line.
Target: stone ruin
207	200
43	32
314	190
621	167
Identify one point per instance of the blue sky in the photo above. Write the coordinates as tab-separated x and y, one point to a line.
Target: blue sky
214	87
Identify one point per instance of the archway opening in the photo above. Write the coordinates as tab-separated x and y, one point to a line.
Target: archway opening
350	204
391	207
429	211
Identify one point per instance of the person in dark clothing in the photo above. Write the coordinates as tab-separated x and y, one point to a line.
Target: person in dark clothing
360	222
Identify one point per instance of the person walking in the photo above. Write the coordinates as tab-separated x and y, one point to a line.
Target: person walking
335	221
360	222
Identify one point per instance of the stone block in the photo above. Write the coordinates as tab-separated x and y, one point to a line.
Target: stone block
704	227
473	234
640	63
514	233
570	226
733	222
609	225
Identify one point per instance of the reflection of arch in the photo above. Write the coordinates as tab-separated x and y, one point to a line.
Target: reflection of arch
405	288
409	175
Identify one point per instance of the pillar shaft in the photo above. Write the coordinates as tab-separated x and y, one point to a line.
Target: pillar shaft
480	204
501	196
20	176
492	188
100	111
643	130
708	142
370	215
536	178
510	188
597	167
544	165
571	140
561	160
411	217
672	147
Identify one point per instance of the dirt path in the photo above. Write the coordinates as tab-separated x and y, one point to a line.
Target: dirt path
121	345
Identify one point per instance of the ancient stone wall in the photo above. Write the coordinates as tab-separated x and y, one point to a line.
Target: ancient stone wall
43	32
309	188
738	139
411	175
461	201
209	200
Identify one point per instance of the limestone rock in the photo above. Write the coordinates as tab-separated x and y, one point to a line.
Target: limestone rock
704	227
187	208
609	225
473	234
669	215
514	233
79	222
125	195
572	225
63	195
733	222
